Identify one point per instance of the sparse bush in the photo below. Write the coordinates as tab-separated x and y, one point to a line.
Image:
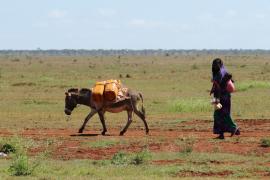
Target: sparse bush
128	76
11	145
187	149
265	69
15	60
194	67
24	84
20	166
265	142
242	66
186	144
8	148
91	66
99	162
216	149
120	158
141	157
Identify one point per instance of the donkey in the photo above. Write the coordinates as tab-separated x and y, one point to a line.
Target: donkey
129	104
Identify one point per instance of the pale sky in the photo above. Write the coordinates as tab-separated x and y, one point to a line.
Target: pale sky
135	24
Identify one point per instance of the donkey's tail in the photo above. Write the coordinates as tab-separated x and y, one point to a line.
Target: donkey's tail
143	110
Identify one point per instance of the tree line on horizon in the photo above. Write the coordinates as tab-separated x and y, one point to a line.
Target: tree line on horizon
143	52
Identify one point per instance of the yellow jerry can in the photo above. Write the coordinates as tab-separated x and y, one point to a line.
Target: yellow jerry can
111	89
97	91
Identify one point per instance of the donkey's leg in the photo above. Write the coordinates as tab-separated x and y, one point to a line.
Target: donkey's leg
128	123
91	114
102	119
142	117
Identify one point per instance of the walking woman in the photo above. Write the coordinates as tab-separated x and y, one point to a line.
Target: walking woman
222	88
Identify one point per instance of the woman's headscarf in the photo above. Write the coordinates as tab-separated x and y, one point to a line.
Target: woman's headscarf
218	70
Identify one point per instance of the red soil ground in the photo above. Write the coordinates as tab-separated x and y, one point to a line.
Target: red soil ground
68	144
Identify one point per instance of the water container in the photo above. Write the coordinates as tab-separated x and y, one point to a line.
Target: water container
111	89
97	91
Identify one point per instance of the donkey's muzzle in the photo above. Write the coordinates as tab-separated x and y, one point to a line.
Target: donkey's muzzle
67	111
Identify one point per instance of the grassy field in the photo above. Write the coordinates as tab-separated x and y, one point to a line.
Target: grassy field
175	90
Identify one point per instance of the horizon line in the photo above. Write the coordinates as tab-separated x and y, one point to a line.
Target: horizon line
130	49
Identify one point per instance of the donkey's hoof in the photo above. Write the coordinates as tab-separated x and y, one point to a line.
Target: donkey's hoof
121	133
103	133
147	132
80	131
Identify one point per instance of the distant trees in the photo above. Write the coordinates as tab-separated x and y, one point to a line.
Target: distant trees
122	52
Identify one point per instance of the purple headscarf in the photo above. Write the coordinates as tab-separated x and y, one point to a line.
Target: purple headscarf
219	76
223	71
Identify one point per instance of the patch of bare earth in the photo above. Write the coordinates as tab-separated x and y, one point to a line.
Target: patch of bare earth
70	142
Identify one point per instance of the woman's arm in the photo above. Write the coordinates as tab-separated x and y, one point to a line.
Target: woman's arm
216	90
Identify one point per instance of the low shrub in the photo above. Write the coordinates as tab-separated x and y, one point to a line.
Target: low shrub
265	142
141	157
120	158
8	148
20	166
138	158
186	144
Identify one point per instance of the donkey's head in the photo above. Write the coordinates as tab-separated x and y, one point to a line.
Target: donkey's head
71	100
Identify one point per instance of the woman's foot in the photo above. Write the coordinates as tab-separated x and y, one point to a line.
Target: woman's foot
236	132
221	136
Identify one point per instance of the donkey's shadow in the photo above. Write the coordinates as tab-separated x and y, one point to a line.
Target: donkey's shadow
88	135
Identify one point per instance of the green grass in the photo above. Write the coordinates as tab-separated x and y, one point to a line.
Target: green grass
175	90
237	166
191	106
34	91
215	163
244	86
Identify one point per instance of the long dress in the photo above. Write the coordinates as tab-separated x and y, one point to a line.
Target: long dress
222	117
